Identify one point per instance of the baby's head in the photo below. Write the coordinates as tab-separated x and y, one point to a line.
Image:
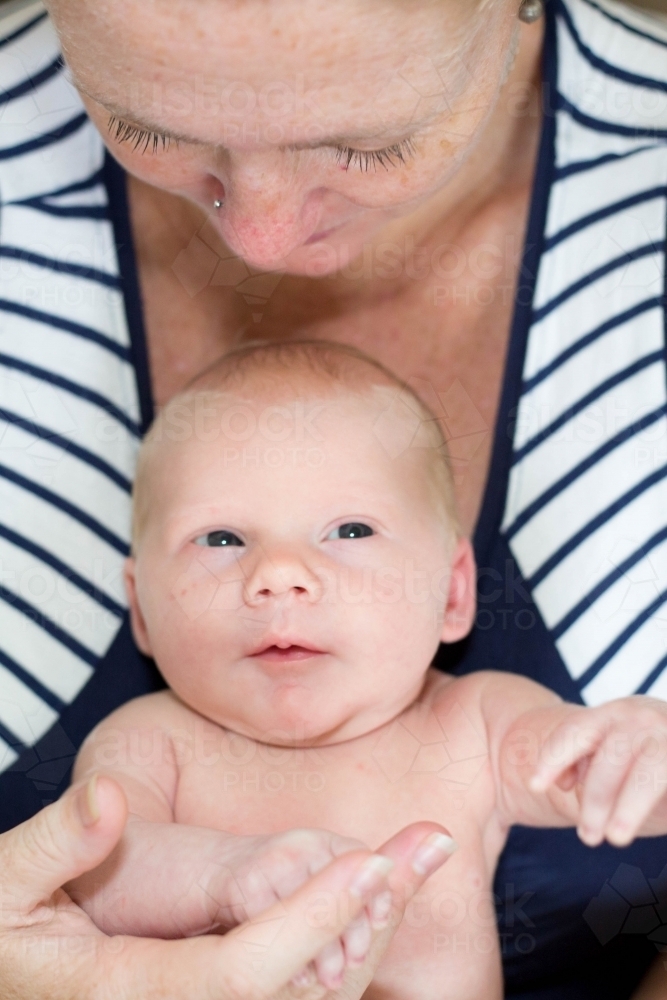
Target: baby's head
296	556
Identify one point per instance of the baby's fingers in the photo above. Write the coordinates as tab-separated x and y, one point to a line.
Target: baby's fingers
357	940
350	951
642	791
570	743
606	776
330	965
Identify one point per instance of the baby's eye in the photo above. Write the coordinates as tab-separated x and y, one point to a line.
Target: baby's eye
219	538
351	530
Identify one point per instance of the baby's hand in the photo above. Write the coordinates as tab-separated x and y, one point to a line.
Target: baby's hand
615	758
266	869
171	880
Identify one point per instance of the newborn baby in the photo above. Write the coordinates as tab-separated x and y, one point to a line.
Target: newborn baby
295	563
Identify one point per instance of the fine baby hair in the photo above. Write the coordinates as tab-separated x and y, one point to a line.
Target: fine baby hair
300	369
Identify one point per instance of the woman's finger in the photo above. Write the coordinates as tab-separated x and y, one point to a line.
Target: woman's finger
259	959
278	944
417	851
65	839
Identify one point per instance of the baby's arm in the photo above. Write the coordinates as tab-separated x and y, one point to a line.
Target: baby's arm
167	879
156	882
557	764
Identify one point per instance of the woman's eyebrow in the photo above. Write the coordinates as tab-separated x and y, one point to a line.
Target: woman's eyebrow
387	136
124	115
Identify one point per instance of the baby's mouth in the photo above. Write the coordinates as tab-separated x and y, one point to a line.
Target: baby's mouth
286	654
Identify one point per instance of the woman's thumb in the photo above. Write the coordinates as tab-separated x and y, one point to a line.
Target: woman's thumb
65	839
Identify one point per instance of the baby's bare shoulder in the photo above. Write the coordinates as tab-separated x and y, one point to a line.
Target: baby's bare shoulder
128	732
159	710
134	745
485	698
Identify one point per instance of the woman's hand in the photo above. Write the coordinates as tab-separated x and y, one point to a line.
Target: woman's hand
50	948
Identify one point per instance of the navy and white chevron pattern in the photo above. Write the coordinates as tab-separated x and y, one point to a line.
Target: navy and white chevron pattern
69	409
586	510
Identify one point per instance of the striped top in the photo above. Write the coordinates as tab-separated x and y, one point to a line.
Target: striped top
572	537
586	506
70	413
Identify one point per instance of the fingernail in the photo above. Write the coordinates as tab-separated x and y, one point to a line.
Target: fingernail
380	909
371	876
303	978
432	853
89	810
590	837
357	940
330	964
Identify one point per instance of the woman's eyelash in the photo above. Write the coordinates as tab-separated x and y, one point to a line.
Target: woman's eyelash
367	159
141	139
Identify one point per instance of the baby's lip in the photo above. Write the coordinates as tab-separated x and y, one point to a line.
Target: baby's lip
285	651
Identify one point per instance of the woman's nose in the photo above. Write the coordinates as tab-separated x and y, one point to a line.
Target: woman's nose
267	212
278	574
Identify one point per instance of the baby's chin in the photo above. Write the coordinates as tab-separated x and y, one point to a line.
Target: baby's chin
296	719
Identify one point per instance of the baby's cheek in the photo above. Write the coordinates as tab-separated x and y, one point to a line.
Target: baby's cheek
196	590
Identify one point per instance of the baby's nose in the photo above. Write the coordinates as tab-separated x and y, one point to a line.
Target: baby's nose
278	574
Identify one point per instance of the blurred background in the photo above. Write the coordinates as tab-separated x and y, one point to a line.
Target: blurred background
655	5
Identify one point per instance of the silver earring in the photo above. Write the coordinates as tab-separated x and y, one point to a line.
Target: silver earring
218	203
531	10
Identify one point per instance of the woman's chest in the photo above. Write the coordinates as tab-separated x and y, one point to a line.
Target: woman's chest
437	313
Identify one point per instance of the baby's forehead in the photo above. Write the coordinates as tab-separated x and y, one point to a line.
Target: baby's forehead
363	430
379	416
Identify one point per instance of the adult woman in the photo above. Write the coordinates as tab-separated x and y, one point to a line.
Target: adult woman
405	183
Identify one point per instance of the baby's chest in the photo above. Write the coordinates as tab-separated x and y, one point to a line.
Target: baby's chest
448	932
367	790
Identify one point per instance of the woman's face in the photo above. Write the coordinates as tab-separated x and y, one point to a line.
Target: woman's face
317	122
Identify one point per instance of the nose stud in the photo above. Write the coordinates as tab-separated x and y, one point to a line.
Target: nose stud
531	10
218	203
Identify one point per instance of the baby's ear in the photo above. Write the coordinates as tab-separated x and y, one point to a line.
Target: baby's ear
460	608
137	622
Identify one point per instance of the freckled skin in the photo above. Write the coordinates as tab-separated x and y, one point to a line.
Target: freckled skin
467	184
357	82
